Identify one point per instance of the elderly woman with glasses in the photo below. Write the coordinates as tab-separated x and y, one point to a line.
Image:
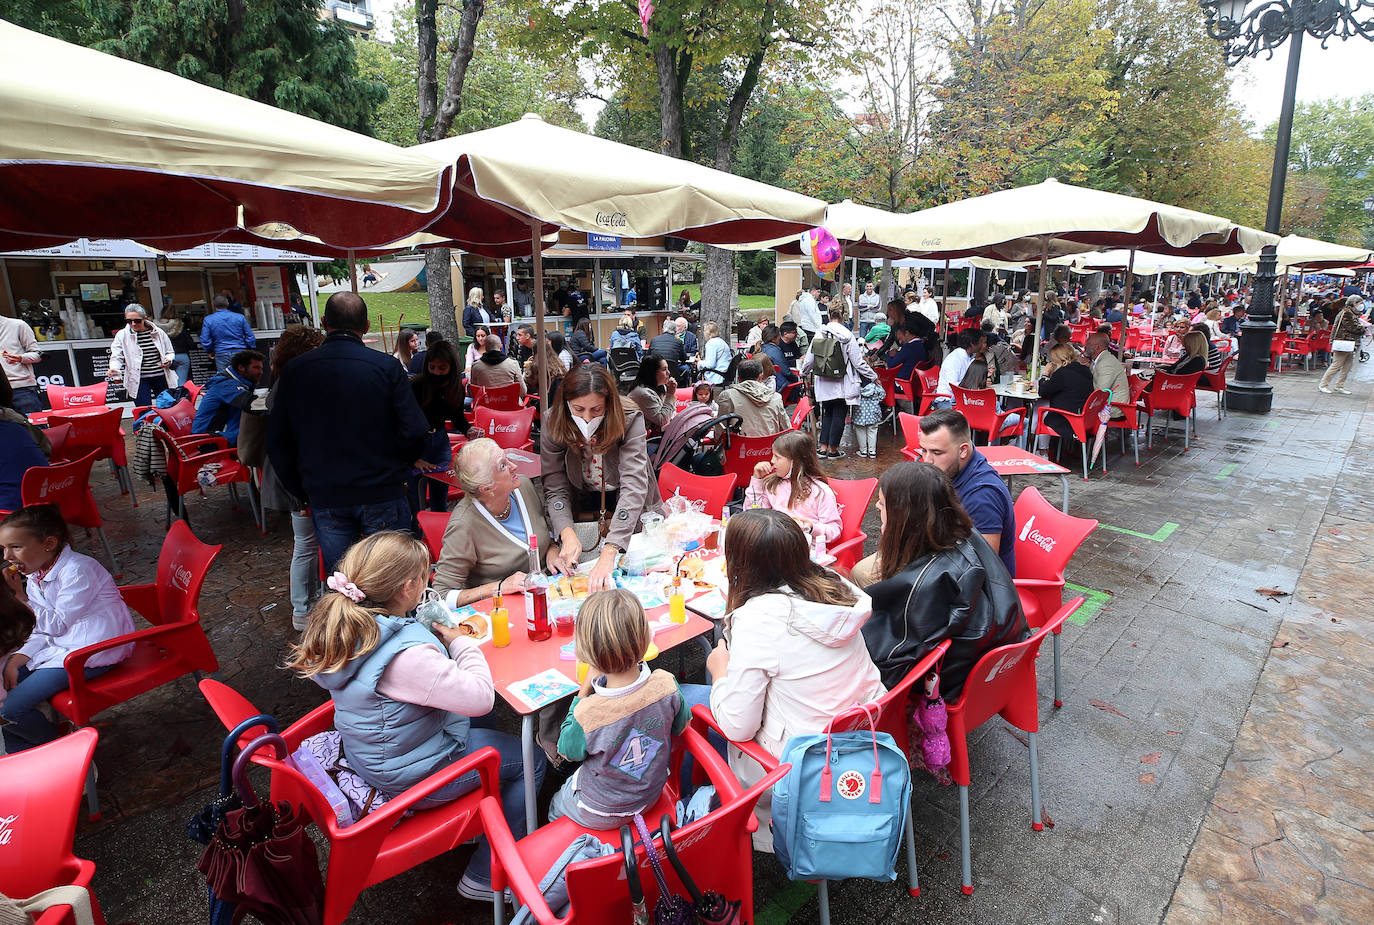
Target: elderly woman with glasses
141	357
486	544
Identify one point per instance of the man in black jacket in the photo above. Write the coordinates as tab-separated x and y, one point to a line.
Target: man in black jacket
345	431
668	346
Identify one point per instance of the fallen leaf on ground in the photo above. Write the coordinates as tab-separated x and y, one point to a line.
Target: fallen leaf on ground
1172	732
1271	592
1106	707
1151	758
1045	818
1279	644
1147	779
1018	736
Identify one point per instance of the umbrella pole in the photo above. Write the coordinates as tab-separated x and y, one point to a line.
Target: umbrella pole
353	271
537	255
944	311
854	290
1126	302
1039	308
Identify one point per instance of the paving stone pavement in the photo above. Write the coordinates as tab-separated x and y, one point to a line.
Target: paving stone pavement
1159	684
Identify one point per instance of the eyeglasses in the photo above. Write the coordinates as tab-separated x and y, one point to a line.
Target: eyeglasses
136	321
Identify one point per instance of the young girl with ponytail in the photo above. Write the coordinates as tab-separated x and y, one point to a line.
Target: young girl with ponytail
402	698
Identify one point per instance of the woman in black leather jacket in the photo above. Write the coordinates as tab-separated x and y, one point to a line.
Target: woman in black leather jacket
937	579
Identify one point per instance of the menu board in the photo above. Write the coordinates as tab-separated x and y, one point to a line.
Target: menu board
54	367
91	364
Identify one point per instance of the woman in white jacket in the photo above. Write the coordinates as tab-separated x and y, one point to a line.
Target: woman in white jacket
141	357
793	655
836	395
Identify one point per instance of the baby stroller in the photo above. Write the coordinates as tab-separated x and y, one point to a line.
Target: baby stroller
689	440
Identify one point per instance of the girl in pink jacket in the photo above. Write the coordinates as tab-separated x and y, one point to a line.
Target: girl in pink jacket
792	482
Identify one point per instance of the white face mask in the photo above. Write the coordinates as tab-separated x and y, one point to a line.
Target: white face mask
588	428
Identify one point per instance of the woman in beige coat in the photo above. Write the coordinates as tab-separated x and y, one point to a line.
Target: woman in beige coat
486	543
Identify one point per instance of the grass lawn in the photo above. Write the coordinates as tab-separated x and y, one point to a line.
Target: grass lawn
387	307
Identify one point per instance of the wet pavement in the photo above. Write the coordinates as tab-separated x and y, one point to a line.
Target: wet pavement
1211	759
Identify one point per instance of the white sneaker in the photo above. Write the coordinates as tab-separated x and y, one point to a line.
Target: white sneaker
1323	389
1345	391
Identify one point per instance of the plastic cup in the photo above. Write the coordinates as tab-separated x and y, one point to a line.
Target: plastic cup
563	613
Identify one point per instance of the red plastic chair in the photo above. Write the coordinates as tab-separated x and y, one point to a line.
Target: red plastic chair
189	470
716	848
892	710
1130	415
929	381
714	491
979	406
1083	425
77	396
39	800
1294	347
501	398
510	429
432	525
68	485
853	497
887	377
911	434
101	433
59	438
742	454
683	398
1170	393
1046	539
1215	381
386	841
790	392
801	415
1002	683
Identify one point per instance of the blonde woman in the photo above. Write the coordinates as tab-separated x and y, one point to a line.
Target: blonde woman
475	313
402	697
716	360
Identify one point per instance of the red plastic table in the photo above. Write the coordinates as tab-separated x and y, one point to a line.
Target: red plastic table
1012	460
524	658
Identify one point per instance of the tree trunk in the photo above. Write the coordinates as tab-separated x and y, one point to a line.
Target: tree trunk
671	123
442	315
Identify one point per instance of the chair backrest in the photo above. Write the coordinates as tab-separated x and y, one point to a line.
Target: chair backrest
510	429
892	708
38	806
1137	386
888	377
928	379
498	398
800	413
182	566
1173	393
59	436
744	453
68	485
979	406
97	431
683	397
192	390
716	850
1092	409
714	491
177	419
911	430
1046	537
432	525
77	396
853	497
1213	380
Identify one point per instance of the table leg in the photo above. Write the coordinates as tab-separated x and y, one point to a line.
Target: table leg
1064	479
527	756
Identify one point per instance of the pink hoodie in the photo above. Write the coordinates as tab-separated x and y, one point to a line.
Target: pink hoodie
819	507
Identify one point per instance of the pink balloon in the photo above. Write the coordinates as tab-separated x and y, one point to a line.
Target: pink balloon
826	253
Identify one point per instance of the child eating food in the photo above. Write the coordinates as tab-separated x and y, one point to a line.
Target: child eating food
793	482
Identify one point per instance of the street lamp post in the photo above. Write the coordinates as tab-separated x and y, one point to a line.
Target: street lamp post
1246	30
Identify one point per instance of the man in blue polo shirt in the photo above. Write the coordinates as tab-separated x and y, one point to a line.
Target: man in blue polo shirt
947	443
225	332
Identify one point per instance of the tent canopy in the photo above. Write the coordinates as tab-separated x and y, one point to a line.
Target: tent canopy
590	184
1299	253
98	147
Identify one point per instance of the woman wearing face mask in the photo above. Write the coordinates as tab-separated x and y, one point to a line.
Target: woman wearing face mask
596	469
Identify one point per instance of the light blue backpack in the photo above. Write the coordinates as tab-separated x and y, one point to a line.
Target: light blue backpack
841	811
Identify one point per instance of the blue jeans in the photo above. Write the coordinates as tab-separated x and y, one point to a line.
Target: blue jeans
338	528
28	399
699	695
512	777
181	365
222	359
27	727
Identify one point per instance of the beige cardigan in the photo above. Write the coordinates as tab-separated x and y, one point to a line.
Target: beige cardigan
478	550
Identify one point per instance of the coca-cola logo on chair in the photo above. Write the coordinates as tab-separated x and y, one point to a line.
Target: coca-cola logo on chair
81	400
180	576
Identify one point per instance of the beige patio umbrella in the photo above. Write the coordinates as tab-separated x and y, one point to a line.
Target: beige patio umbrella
539	173
95	146
1296	252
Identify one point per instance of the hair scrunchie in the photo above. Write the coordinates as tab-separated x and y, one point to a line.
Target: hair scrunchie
339	582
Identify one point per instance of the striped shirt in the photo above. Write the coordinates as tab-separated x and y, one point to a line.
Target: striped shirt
151	364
